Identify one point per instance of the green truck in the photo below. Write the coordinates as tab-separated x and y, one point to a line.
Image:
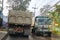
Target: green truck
42	26
19	22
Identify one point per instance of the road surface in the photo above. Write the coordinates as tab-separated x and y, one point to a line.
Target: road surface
33	37
3	35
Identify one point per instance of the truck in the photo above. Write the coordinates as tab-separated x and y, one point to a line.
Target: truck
19	22
42	26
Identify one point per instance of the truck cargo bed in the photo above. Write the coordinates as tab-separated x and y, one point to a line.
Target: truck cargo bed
19	17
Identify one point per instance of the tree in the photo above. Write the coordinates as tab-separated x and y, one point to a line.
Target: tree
44	11
58	14
19	4
56	18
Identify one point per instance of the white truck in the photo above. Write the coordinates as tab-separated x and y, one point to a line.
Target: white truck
19	22
42	26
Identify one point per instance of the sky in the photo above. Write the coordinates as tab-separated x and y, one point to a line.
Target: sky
34	3
39	4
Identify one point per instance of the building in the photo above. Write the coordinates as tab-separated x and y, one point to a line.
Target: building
1	15
0	5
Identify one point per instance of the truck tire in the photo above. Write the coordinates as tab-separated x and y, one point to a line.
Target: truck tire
39	33
10	34
49	34
33	31
26	35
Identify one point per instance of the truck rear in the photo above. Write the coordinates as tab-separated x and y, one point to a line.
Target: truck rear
19	22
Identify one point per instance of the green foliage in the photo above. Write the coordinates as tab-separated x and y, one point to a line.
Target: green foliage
57	8
56	17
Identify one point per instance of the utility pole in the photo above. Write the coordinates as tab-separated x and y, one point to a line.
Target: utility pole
2	4
34	10
33	19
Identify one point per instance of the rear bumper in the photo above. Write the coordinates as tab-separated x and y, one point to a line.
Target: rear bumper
43	32
15	32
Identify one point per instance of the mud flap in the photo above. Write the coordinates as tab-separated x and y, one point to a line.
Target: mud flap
26	32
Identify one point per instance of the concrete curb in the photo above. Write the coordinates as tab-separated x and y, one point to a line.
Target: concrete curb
4	35
4	38
3	32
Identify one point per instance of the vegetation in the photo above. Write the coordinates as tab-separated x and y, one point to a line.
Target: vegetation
19	4
56	18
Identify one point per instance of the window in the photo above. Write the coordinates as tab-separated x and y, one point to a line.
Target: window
44	21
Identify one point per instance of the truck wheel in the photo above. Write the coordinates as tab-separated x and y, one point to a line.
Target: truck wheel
39	34
26	35
49	35
10	34
33	31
